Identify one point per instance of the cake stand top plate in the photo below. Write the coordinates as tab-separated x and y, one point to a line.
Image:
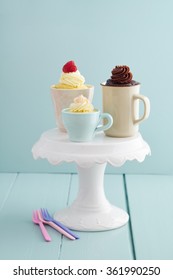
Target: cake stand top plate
56	147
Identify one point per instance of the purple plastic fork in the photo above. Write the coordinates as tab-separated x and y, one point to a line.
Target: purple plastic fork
48	217
59	229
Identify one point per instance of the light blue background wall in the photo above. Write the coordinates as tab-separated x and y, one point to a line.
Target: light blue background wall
39	36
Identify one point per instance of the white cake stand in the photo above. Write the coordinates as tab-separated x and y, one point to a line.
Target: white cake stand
91	211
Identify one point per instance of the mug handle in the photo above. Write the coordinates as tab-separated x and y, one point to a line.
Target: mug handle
106	126
146	102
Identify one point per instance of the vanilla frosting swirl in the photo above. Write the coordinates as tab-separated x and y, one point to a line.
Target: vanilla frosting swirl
72	79
81	104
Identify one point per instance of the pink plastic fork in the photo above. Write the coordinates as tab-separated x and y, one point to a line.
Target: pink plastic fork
55	226
37	221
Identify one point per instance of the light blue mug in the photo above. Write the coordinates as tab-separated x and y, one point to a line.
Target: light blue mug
81	127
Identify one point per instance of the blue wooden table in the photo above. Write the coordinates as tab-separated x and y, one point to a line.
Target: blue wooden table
147	199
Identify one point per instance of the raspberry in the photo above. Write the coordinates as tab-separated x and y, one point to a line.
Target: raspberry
69	67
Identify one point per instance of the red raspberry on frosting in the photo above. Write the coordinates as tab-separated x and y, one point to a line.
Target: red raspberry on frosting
69	67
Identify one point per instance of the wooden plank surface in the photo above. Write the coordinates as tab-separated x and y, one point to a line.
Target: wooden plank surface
151	208
149	198
6	183
21	239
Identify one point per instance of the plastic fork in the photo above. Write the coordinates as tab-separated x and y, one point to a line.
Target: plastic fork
37	221
55	226
49	218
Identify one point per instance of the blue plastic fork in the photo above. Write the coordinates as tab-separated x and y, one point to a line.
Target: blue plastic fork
48	217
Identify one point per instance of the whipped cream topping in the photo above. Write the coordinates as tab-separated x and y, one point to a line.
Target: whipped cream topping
73	79
81	104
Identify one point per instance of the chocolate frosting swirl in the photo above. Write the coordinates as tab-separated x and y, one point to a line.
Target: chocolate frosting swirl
121	75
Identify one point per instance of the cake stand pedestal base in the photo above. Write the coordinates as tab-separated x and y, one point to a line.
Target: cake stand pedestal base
91	211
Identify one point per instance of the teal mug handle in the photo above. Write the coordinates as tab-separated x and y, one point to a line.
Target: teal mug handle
106	126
